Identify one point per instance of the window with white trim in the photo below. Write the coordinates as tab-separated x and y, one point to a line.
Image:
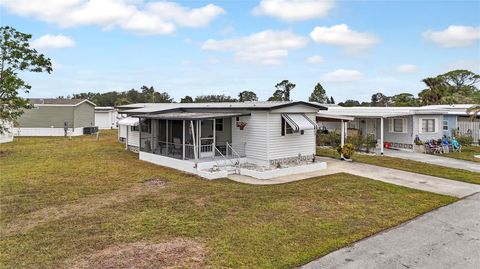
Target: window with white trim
428	125
397	125
445	125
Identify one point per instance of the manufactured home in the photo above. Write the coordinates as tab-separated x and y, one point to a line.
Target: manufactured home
106	117
398	127
52	117
260	139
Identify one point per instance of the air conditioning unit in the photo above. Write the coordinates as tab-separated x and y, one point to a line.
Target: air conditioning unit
90	130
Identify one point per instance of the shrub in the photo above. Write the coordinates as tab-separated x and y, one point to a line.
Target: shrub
465	140
369	142
347	151
355	140
331	139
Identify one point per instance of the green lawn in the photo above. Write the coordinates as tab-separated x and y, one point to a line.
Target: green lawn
78	203
409	165
468	153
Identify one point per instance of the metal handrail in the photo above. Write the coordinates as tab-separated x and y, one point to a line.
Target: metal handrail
224	158
233	150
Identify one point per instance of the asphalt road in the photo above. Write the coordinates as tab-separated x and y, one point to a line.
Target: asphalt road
448	237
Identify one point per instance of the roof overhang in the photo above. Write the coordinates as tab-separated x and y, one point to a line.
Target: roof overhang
128	121
331	117
191	115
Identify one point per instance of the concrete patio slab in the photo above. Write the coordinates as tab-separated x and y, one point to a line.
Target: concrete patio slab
448	237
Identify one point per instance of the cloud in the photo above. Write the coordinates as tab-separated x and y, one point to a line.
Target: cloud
341	35
454	36
342	75
267	47
407	68
293	10
315	59
53	42
159	17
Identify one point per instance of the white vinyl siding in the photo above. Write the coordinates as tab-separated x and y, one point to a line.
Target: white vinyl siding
133	137
397	125
290	145
254	135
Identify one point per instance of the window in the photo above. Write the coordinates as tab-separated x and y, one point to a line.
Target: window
135	128
445	125
286	128
146	126
398	126
428	125
219	125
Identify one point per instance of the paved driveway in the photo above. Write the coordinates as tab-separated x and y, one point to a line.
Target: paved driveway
398	177
448	237
434	159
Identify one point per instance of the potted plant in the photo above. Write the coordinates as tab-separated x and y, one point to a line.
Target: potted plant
419	145
346	151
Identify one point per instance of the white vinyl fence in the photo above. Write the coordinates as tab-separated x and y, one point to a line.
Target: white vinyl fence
466	126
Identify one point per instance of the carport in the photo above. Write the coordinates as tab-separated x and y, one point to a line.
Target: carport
343	120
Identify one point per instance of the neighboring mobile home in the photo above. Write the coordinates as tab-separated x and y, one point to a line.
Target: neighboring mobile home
106	117
213	139
398	127
50	117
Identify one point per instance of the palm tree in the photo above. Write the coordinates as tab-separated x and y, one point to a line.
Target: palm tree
434	93
474	111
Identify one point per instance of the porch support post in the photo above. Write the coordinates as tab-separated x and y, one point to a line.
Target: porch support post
214	135
198	137
126	138
342	138
151	136
381	136
166	137
194	136
183	140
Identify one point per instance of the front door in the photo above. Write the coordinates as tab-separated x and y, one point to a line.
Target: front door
207	138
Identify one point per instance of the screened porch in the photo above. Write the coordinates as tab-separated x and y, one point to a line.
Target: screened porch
190	136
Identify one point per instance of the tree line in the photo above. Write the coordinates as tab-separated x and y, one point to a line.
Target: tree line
454	87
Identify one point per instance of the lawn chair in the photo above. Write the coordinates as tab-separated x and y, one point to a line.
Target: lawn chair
177	146
456	147
432	148
446	146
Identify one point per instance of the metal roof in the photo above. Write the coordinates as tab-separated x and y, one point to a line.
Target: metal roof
57	101
163	107
129	121
334	117
191	115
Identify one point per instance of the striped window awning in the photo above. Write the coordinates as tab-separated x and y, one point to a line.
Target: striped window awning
299	122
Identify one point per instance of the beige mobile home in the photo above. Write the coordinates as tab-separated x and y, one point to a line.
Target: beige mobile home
50	117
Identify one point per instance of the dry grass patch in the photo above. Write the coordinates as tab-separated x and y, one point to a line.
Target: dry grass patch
83	207
178	253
